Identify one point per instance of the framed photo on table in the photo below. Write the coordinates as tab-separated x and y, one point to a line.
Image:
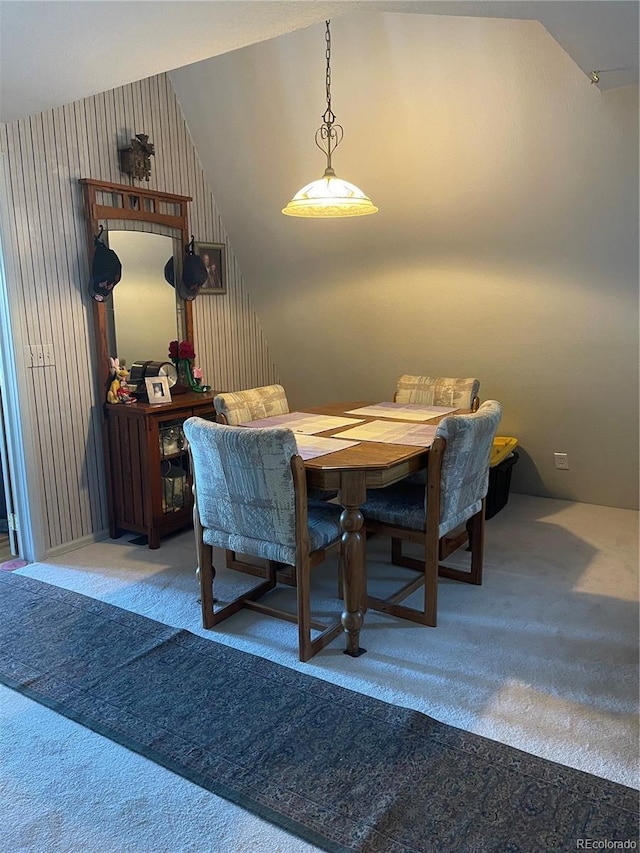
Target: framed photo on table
213	257
158	390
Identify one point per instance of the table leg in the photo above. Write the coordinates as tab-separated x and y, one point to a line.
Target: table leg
353	494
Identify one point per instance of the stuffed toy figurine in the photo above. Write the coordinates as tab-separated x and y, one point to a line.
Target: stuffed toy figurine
119	389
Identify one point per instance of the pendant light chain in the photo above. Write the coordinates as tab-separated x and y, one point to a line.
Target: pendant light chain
330	134
328	116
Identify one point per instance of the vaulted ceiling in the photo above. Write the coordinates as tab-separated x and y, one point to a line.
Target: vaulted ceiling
55	52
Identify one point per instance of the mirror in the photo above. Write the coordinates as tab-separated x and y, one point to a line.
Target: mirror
141	312
145	228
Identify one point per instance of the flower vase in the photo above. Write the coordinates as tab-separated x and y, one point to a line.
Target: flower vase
184	380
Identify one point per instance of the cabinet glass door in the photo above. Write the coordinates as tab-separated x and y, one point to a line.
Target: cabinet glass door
174	467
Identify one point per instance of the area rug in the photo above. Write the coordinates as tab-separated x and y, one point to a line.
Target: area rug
343	771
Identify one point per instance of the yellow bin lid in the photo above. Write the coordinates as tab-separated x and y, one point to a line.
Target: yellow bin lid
502	447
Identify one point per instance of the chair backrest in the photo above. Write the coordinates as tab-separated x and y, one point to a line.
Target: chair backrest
438	391
464	473
244	487
240	406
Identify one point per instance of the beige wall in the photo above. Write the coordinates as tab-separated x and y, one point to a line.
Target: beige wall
506	246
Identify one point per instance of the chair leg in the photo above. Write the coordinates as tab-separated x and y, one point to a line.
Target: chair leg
475	529
431	555
475	526
305	647
206	575
474	533
428	579
299	577
430	569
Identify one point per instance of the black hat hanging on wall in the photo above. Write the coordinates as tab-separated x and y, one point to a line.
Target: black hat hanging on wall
169	273
106	269
194	273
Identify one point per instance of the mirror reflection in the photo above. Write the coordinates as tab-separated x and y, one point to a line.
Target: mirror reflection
143	316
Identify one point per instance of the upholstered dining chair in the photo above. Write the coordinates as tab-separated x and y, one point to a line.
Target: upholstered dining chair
457	483
250	494
438	391
252	404
236	407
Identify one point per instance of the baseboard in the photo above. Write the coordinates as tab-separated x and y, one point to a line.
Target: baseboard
90	539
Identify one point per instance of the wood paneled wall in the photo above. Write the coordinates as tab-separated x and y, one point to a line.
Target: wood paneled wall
46	154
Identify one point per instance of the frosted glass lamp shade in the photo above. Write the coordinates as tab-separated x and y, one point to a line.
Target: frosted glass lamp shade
329	197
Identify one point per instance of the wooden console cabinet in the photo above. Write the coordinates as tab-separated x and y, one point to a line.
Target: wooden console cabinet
148	477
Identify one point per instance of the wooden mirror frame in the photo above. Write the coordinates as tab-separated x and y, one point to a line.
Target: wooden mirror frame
137	205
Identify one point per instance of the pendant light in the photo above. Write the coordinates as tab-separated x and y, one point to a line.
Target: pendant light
329	196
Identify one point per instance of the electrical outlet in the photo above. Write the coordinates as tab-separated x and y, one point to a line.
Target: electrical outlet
562	461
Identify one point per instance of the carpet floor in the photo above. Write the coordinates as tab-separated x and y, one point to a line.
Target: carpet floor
341	770
543	657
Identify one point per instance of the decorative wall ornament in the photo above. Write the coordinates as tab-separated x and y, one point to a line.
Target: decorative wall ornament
136	159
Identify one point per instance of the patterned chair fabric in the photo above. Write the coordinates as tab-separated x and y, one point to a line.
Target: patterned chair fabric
464	476
250	497
458	481
246	496
241	406
437	391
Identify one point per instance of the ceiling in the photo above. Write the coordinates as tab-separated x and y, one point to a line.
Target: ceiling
53	52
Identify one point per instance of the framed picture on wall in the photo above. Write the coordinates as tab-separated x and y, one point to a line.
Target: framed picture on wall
158	390
212	255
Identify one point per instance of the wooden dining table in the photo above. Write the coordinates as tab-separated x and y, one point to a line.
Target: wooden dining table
350	472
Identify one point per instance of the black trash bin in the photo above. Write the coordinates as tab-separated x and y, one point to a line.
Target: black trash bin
499	484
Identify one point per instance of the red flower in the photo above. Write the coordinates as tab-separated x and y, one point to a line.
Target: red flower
182	349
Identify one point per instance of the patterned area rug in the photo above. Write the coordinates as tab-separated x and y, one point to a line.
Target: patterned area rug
343	771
